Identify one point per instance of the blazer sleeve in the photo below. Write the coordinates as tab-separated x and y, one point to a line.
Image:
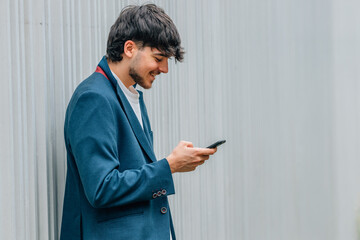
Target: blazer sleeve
90	135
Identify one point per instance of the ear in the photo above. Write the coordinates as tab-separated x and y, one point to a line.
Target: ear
130	48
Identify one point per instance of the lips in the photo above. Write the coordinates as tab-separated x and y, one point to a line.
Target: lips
154	74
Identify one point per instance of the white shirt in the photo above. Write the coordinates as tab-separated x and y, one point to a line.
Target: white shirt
132	96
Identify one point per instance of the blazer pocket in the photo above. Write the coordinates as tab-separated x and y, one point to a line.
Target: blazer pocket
125	217
107	214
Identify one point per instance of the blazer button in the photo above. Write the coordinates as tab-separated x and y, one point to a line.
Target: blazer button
159	193
155	195
163	192
163	210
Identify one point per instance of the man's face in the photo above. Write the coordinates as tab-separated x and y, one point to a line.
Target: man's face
146	64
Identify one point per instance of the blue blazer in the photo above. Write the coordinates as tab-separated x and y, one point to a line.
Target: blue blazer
115	187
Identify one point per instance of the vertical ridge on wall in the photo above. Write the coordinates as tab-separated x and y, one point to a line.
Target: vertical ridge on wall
40	96
49	72
7	205
30	135
18	173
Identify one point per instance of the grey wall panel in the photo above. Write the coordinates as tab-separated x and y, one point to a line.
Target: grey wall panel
277	79
346	141
7	205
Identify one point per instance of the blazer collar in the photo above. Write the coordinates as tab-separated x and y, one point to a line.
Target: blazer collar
135	125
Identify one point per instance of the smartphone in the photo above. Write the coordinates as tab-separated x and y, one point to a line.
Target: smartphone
218	143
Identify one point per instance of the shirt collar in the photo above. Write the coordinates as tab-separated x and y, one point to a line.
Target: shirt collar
131	90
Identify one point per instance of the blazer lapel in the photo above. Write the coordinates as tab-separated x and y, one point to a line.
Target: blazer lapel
135	125
145	119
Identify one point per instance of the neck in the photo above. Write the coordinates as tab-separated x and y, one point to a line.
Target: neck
122	72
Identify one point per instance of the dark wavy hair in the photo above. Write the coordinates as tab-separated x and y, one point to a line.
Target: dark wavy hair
146	25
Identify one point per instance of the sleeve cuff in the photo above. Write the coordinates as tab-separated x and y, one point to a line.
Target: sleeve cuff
167	178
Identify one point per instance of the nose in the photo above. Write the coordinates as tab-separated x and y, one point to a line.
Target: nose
164	66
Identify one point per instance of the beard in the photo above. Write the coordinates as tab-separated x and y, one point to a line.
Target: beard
137	78
135	75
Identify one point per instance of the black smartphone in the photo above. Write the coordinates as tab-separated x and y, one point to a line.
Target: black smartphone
218	143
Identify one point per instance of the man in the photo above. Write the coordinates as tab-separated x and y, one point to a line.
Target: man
115	186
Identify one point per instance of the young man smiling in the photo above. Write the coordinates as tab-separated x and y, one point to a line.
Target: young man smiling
144	64
115	186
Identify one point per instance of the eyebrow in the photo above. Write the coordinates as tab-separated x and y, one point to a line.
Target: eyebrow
161	54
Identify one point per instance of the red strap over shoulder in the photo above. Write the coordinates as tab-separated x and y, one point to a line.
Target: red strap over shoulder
99	70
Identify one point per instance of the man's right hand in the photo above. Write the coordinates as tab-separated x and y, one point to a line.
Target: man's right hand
185	158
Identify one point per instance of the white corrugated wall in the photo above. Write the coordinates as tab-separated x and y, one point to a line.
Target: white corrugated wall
278	79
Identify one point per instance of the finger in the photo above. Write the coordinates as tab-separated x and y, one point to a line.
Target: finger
201	162
201	158
187	144
205	151
191	168
204	157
